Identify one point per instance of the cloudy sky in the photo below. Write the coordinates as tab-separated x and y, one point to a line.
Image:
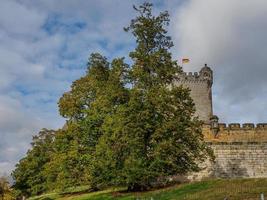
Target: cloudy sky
44	46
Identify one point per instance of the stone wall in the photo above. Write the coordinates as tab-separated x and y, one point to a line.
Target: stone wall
235	160
240	151
240	160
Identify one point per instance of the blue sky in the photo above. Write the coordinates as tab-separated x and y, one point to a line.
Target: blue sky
44	46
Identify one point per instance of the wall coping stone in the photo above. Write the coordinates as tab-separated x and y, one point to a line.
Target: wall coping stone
236	143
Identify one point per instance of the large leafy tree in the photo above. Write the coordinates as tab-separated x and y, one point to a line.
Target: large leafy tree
154	134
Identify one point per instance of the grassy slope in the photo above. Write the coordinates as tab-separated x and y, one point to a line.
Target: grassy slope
238	189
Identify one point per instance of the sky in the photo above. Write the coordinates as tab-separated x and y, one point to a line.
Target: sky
45	44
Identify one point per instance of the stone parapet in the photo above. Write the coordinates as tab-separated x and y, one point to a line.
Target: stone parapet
245	126
235	132
193	78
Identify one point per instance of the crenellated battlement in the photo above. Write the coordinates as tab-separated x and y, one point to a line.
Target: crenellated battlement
245	126
236	132
191	76
205	75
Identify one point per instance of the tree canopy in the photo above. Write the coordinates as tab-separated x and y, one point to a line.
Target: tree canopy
127	125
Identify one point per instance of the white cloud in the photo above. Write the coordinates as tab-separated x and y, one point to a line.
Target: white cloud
15	18
230	37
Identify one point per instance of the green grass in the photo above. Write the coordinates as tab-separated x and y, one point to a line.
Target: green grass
236	189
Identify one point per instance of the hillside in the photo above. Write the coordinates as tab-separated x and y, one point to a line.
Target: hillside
238	189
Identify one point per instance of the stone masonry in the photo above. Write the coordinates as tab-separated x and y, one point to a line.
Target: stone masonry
240	150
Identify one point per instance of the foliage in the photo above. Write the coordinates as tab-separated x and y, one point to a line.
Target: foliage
126	125
67	165
100	91
29	173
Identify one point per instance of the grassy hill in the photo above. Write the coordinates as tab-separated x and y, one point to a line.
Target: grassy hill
237	189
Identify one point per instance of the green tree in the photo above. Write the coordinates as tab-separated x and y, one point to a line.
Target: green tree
29	173
91	99
155	133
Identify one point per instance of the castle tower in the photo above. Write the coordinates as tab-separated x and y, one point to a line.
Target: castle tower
200	85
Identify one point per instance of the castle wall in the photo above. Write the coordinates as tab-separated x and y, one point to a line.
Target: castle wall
240	160
240	151
235	160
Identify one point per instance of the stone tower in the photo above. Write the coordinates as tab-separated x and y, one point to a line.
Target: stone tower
200	85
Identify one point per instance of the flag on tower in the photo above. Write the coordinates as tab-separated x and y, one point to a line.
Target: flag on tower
185	60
